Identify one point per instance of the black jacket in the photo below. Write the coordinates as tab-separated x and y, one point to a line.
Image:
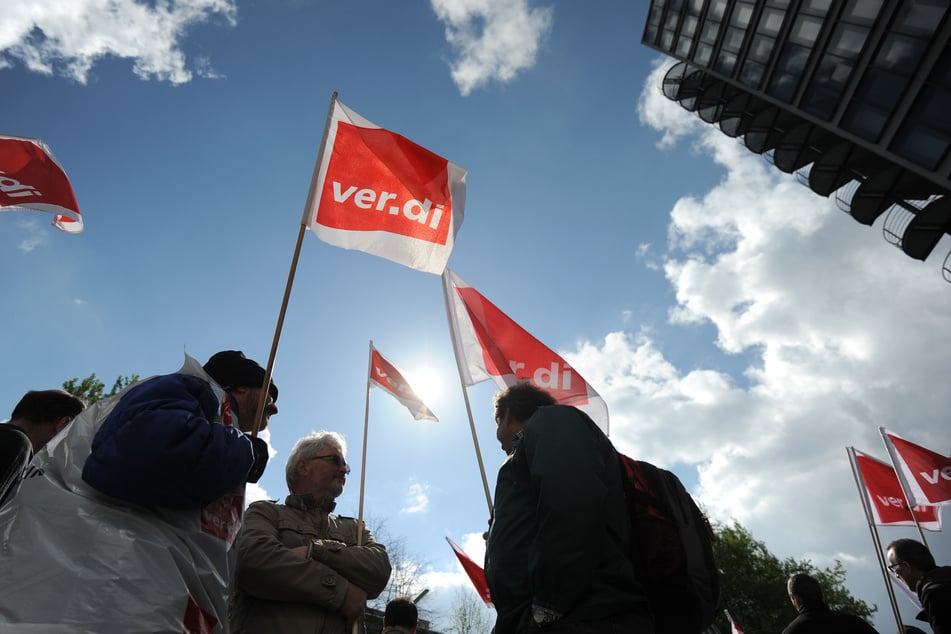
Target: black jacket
817	618
934	590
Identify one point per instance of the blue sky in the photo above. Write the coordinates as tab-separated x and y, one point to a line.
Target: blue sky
741	329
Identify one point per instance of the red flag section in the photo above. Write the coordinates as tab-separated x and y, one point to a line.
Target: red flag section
490	345
475	572
379	192
32	180
734	628
886	498
925	473
387	377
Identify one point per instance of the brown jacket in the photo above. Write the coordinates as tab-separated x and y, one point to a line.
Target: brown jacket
279	591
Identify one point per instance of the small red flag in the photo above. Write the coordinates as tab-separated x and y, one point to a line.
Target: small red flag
32	180
475	572
387	377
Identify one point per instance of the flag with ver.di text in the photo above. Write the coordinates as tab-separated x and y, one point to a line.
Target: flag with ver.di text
378	192
490	345
388	377
474	571
32	180
886	498
925	473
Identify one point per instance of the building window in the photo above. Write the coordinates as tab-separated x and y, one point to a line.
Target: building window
900	53
919	17
690	26
752	74
920	144
805	30
761	48
703	54
864	120
771	21
683	45
742	13
847	40
725	62
821	101
816	7
862	11
733	40
710	32
717	9
783	86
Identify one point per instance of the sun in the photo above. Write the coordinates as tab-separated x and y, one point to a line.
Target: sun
426	383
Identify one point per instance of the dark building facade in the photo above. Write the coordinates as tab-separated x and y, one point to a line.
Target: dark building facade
853	96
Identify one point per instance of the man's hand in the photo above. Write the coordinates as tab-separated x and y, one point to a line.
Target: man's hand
354	606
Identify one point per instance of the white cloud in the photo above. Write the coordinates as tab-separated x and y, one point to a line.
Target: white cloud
67	38
36	234
491	39
417	499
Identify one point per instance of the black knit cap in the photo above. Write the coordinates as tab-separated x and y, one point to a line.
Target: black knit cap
230	368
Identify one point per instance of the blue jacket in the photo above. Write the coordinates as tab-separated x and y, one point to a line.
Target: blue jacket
158	446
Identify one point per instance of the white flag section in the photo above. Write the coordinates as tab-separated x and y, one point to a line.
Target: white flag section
734	628
490	345
925	474
388	377
74	560
378	192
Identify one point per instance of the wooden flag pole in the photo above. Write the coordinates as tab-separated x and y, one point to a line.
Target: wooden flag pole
363	464
305	221
465	394
882	564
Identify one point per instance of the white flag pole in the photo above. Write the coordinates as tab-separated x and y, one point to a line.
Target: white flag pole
446	287
909	499
265	385
882	564
363	459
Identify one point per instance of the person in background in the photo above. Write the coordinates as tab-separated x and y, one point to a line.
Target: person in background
36	419
915	565
302	568
400	616
556	553
815	617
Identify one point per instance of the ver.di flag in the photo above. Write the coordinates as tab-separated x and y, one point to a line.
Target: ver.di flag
378	192
490	345
32	180
886	498
474	571
734	628
925	473
387	377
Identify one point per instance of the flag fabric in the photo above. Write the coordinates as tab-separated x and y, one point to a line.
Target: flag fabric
475	572
387	377
32	180
734	628
378	192
490	345
926	474
886	498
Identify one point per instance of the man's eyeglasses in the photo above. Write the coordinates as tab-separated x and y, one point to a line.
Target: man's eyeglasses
334	458
894	567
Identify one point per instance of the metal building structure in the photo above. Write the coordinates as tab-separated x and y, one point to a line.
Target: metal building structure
853	96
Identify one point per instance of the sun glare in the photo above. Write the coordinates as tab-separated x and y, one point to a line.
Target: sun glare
426	383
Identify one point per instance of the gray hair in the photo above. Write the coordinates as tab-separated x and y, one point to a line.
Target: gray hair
309	446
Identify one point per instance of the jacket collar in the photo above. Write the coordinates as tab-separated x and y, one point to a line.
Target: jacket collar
307	502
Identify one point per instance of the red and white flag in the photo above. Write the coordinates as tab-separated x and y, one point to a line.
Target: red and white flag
490	345
32	180
925	473
378	192
735	629
474	571
387	377
886	498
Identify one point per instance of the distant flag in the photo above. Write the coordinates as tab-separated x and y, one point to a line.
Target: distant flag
926	474
32	180
733	626
475	572
886	498
378	192
490	345
387	377
907	592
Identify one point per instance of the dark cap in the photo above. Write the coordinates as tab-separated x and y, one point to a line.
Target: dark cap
230	368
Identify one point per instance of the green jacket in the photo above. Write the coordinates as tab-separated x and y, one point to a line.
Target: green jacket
560	532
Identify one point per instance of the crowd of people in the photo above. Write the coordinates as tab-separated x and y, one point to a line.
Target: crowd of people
129	514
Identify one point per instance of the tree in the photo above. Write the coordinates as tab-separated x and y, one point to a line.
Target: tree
92	389
468	614
406	569
754	583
